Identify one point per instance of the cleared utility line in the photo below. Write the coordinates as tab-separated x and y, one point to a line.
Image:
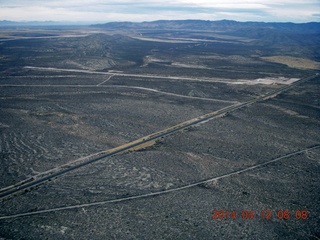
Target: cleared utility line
160	192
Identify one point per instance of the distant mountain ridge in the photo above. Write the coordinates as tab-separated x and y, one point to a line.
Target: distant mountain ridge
303	38
229	25
311	27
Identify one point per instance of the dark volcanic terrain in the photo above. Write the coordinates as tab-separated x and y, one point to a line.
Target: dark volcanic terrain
252	173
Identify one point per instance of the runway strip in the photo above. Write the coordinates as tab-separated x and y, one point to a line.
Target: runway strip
130	74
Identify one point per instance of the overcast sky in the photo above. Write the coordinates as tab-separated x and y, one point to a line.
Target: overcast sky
149	10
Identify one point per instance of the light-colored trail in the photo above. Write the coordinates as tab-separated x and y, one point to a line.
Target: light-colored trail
105	80
174	94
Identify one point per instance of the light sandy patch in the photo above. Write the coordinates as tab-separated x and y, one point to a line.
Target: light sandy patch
114	71
238	59
229	37
150	59
294	62
143	146
268	81
161	40
288	111
189	40
2	125
185	65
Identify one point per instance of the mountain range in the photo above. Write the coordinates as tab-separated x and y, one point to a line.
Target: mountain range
230	25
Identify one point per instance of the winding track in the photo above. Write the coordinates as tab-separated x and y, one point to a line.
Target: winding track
41	178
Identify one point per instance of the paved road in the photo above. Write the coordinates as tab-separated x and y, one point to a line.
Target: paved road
25	185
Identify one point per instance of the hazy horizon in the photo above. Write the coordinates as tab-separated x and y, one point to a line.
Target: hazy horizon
100	11
83	23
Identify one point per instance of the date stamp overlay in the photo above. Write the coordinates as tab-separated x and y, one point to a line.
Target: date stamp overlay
282	214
